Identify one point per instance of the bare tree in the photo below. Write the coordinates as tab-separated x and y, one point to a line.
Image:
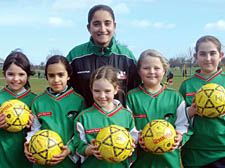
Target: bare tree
42	64
53	52
177	62
223	61
184	58
190	58
17	50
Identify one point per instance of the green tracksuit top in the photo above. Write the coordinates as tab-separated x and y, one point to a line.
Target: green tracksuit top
12	143
57	113
87	57
166	104
88	124
207	144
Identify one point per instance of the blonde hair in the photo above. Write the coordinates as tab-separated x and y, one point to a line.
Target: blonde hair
153	53
105	72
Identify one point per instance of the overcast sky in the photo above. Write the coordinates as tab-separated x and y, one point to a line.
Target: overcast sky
169	26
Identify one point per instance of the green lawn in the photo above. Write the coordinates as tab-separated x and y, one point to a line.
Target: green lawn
38	85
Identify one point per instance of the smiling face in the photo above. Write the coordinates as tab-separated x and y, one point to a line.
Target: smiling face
102	28
16	78
103	93
208	58
57	77
151	72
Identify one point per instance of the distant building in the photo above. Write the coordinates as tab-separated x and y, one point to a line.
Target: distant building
1	62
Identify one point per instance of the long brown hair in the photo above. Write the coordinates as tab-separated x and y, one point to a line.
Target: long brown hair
20	59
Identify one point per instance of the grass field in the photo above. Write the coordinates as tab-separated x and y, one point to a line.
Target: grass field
38	85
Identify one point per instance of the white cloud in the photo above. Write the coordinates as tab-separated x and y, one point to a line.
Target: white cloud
52	39
146	24
57	21
135	1
144	0
121	8
65	5
142	23
9	20
220	25
210	1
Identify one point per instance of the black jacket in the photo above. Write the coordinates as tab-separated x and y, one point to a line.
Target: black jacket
87	57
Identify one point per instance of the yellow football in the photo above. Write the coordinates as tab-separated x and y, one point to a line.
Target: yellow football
114	143
17	114
158	136
44	145
210	100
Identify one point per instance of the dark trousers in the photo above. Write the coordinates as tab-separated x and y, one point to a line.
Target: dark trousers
217	164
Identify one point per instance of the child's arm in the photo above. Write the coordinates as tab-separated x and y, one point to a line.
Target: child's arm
134	134
59	158
178	139
35	127
2	120
31	117
93	150
192	110
182	124
81	141
27	153
141	142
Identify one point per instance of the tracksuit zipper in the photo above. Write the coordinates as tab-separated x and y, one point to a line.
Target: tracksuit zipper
103	51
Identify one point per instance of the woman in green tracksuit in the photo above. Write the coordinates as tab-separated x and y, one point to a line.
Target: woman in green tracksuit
102	49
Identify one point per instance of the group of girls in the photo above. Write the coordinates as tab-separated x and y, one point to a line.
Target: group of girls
61	109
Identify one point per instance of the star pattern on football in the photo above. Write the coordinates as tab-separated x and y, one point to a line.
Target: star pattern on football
17	115
210	100
110	141
42	144
114	143
158	136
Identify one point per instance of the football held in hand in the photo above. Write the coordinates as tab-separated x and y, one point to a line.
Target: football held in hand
17	115
210	100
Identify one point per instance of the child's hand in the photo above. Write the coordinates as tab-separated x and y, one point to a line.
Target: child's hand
193	109
177	140
2	120
31	117
141	142
133	146
28	154
93	150
59	158
223	114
